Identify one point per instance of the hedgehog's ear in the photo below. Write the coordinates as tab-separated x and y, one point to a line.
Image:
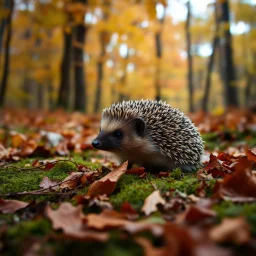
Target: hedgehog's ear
140	126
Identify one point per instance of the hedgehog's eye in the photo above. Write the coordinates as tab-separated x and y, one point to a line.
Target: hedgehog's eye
118	134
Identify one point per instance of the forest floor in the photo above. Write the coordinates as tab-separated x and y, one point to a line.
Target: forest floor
59	196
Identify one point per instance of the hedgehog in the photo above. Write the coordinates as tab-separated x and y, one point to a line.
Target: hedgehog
151	134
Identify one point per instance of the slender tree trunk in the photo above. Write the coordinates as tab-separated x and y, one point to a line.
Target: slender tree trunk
100	73
6	55
100	65
50	96
159	53
230	89
64	89
190	61
40	96
5	4
122	96
215	43
79	76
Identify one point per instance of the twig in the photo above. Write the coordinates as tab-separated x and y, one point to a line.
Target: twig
42	191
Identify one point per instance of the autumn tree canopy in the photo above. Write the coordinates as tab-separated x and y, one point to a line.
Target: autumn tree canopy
85	55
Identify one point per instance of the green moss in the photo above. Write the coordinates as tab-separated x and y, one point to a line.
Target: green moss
230	209
176	173
13	180
61	170
134	190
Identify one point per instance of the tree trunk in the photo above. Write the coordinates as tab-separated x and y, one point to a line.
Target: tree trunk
230	90
103	41
190	61
122	96
64	89
100	73
79	76
215	42
50	96
3	23
6	55
159	53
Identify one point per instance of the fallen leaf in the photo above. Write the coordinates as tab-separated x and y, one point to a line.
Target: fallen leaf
128	211
251	155
107	184
239	186
234	230
151	202
136	171
17	139
72	181
195	215
149	249
106	219
47	183
71	220
11	206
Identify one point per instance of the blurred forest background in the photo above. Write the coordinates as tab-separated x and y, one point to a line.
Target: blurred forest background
85	54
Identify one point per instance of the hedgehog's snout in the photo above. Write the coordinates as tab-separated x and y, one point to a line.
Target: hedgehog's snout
104	141
96	144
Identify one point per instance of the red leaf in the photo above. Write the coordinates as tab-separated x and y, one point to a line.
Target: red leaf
251	155
238	186
128	211
136	171
196	214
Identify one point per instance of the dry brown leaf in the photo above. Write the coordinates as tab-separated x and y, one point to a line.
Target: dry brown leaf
106	219
107	184
151	202
17	139
72	181
239	186
234	230
71	220
149	249
11	206
47	183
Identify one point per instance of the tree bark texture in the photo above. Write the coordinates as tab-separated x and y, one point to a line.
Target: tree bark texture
190	61
230	89
5	73
3	23
80	90
78	55
100	75
65	70
210	65
123	79
159	53
103	37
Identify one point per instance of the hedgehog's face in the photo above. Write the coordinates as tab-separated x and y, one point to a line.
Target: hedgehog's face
119	135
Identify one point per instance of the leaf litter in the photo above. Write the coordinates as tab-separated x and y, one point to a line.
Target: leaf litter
178	223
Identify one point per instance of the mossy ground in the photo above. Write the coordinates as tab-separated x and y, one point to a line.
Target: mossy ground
130	188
